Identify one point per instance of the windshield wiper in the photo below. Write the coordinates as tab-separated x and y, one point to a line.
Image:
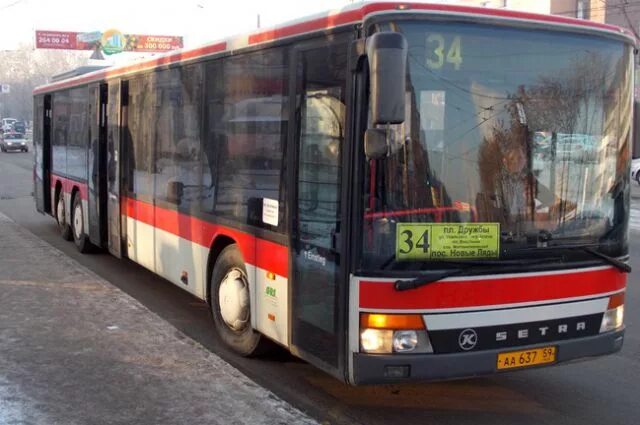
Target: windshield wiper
470	267
620	265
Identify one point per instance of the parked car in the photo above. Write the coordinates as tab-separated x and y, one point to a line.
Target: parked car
13	142
635	167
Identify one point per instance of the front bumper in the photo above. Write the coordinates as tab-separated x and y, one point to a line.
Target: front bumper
372	368
15	147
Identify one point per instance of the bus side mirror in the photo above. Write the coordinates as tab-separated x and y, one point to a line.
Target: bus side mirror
175	191
375	143
387	56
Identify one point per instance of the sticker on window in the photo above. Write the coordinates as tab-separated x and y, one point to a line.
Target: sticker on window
434	241
270	211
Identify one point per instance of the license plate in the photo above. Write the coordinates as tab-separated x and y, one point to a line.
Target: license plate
526	358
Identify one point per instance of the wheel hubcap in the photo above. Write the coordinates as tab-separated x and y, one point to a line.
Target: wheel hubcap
77	221
233	298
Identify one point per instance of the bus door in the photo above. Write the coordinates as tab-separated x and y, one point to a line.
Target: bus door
42	148
114	119
97	164
318	286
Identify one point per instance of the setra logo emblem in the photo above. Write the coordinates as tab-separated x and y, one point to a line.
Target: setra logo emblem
468	339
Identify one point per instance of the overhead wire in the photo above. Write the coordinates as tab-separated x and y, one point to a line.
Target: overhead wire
6	6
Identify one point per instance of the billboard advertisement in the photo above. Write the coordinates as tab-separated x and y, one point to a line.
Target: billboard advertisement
110	41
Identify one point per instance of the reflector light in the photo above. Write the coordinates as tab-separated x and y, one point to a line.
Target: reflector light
391	321
271	276
397	371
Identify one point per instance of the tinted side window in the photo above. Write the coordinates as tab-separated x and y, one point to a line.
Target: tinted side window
213	134
60	131
248	126
77	133
177	127
139	136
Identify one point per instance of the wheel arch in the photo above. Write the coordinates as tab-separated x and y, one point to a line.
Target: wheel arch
75	191
219	243
57	193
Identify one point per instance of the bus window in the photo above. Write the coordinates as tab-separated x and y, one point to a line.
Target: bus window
246	133
178	94
139	136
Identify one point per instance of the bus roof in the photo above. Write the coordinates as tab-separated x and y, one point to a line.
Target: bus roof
351	14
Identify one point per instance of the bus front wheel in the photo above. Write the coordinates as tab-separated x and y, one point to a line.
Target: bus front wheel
231	306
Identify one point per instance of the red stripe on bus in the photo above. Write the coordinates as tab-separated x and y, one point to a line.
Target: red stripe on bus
324	22
498	13
265	254
330	21
68	185
494	291
356	15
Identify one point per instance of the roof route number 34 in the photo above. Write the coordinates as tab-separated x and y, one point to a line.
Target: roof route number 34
441	51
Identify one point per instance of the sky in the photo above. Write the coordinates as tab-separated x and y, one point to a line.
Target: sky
198	21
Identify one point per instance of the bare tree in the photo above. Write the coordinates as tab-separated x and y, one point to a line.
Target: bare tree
25	69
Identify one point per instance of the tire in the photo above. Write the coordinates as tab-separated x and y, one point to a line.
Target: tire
638	177
239	336
63	226
80	238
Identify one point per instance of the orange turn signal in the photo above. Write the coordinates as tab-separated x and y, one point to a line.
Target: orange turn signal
616	300
391	321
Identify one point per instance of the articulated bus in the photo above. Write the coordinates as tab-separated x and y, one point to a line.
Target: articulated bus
392	192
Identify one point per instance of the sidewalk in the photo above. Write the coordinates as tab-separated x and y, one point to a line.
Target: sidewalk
76	350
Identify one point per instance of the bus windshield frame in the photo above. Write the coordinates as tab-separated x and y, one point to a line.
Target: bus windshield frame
491	111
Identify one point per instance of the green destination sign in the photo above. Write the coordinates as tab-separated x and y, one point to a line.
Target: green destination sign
433	241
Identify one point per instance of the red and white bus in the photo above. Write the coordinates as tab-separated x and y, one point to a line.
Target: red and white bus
393	192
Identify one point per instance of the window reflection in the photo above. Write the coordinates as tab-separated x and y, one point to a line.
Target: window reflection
526	129
247	117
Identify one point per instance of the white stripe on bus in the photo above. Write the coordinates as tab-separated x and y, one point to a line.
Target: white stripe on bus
513	316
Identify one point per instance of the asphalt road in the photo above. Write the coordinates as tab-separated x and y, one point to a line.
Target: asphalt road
599	391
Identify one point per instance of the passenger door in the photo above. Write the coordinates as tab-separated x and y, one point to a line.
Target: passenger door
97	164
114	118
317	288
42	153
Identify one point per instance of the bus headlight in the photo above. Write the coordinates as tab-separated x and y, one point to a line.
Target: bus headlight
614	316
612	319
404	341
376	340
389	333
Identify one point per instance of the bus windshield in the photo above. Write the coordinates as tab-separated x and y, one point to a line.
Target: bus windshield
513	141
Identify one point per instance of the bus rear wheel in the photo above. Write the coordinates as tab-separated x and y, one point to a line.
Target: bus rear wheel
61	217
231	306
77	225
